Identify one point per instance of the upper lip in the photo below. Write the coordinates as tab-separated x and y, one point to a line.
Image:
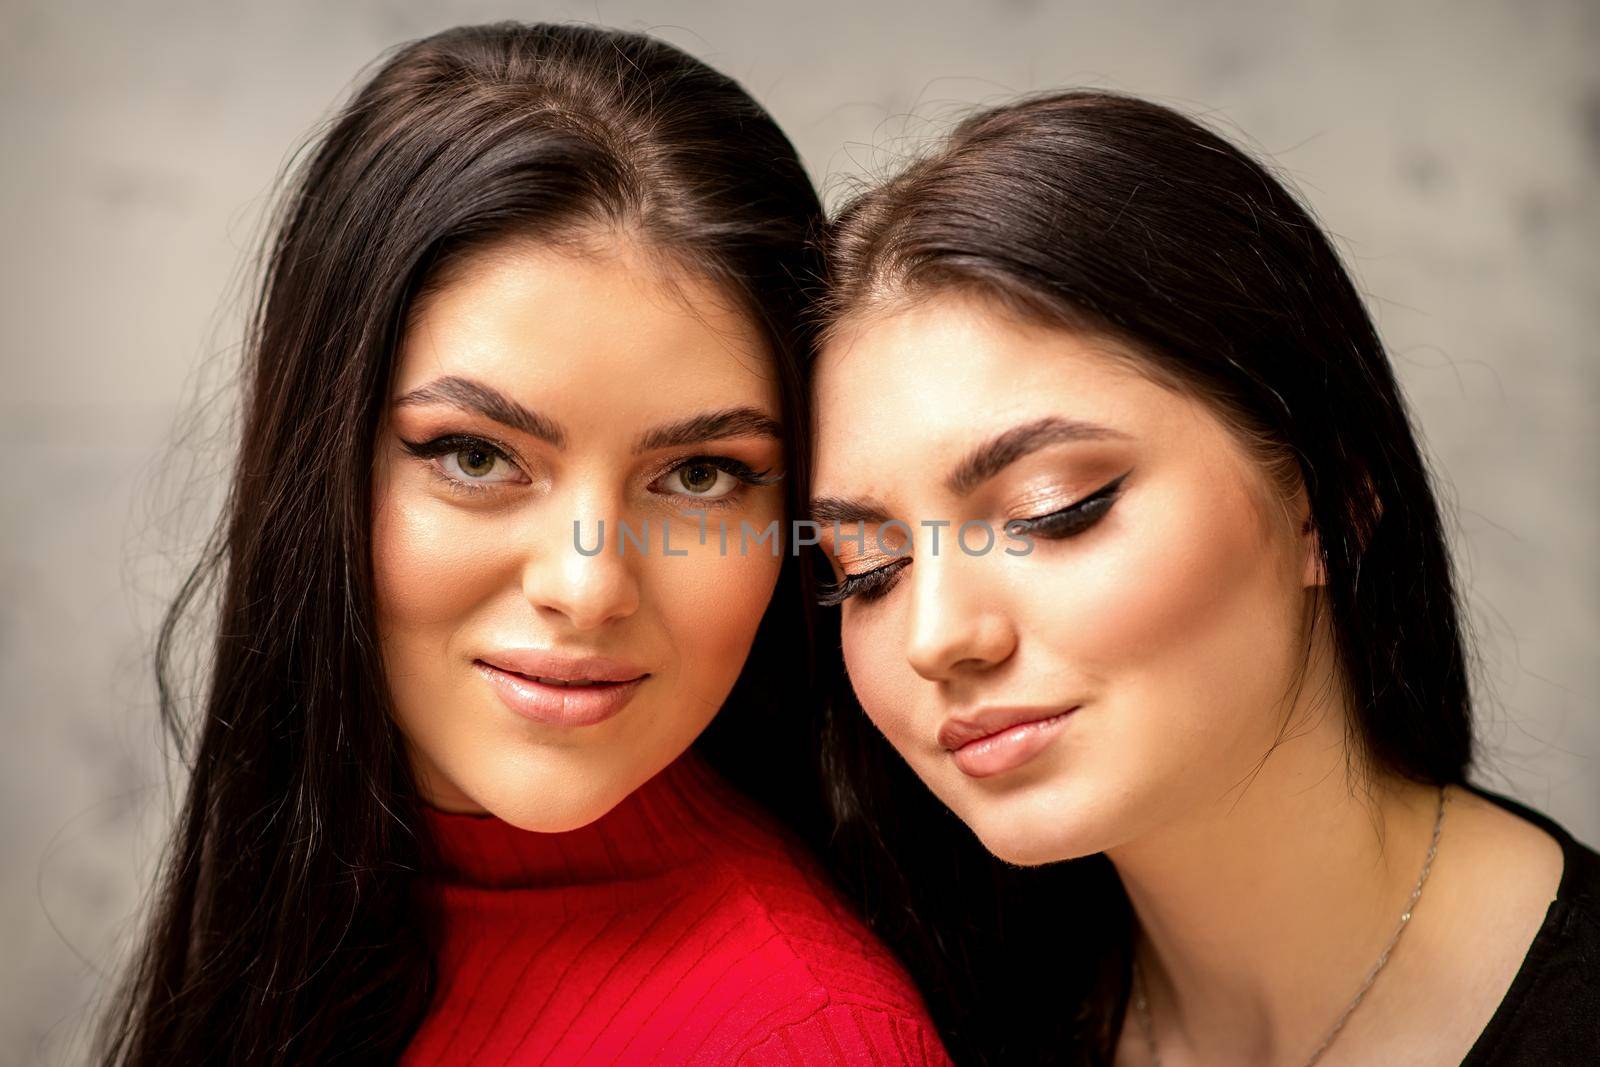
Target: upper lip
562	666
960	730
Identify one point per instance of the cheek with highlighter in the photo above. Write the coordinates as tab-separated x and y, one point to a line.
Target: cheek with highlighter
1167	619
434	570
712	604
433	565
1174	619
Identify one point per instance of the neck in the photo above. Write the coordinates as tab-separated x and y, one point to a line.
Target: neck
674	819
1262	913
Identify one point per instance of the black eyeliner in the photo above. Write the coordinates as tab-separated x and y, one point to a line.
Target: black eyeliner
454	442
740	470
1074	518
1066	522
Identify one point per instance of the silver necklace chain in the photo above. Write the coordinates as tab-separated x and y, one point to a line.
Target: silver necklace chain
1141	1005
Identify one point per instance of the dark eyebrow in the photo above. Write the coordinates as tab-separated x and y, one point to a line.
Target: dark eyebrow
469	395
833	509
1002	450
711	426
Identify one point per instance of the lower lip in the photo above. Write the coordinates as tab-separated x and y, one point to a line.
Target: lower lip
1008	749
559	705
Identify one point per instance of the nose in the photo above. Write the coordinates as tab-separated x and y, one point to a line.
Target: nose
954	628
587	590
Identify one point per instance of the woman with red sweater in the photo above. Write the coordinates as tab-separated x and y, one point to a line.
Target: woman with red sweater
505	756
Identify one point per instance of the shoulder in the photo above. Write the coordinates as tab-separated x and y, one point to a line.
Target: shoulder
1551	1012
1574	865
813	985
845	1034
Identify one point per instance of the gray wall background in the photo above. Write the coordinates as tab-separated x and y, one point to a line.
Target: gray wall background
1453	148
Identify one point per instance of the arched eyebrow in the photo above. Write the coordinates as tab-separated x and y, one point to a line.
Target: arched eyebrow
468	395
842	510
474	396
1000	451
711	426
979	465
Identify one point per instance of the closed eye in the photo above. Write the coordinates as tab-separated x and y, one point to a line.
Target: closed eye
868	585
1065	522
1073	519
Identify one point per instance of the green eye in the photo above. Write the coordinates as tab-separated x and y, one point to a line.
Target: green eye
476	462
699	478
468	462
710	479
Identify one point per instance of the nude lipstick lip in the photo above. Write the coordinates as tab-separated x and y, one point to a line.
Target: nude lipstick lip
560	690
994	740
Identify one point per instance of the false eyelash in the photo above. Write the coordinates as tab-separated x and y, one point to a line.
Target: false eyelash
458	442
869	586
741	471
453	442
448	443
1074	518
1066	522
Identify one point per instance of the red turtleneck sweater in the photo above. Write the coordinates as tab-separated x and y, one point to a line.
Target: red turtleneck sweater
683	927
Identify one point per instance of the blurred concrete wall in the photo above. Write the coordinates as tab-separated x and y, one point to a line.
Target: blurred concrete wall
1453	148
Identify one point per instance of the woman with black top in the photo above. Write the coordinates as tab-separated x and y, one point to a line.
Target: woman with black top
1143	576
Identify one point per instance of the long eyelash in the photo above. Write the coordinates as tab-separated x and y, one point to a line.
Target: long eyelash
453	442
742	471
869	586
1066	522
1074	518
456	442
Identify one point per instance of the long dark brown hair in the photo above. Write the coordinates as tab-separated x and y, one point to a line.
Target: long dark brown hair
283	928
1098	211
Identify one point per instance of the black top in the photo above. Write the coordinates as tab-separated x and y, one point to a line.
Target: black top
1551	1014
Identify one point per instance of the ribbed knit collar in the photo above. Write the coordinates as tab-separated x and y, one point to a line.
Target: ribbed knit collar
679	817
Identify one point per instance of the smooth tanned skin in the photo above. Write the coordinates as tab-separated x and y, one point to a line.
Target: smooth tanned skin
590	366
1266	877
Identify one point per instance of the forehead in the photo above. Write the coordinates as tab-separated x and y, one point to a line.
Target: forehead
617	321
920	384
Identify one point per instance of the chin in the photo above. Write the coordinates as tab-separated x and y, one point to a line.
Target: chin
1021	850
554	804
549	819
1033	831
543	815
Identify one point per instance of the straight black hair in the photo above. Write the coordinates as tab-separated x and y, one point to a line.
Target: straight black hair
1105	213
283	929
